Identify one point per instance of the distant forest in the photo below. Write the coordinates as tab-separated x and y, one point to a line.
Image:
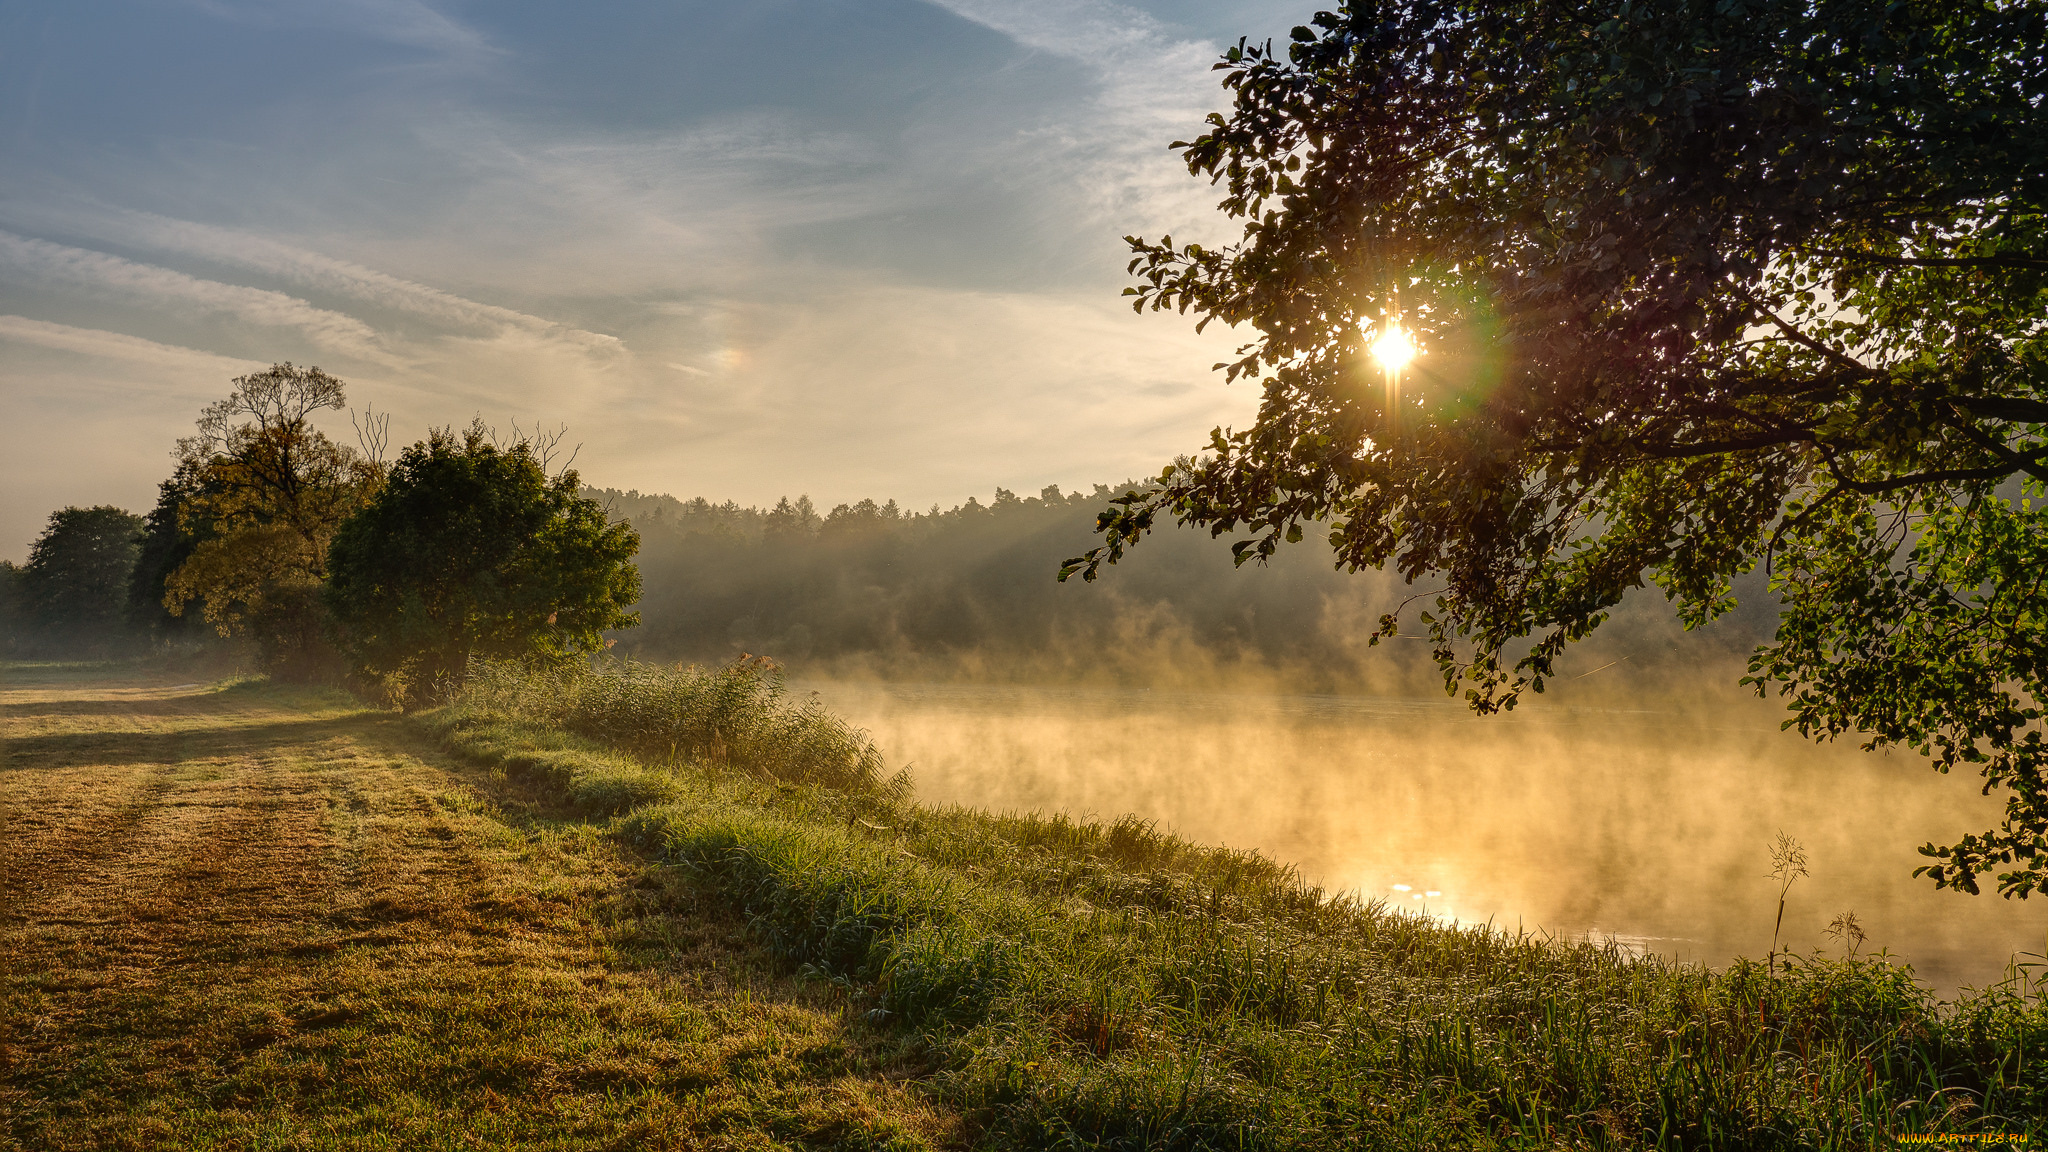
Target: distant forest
869	589
969	593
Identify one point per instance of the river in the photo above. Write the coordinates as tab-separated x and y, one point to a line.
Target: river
1650	825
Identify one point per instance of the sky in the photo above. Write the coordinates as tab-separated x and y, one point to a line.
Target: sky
738	249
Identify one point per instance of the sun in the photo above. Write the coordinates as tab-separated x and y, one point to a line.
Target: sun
1393	348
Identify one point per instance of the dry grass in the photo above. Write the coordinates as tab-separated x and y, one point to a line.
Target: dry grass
249	918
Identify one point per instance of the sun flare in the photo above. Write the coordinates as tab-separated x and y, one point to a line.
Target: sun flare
1393	348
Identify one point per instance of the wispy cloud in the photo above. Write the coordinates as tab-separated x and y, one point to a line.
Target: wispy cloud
111	277
1155	88
300	266
117	346
407	22
616	212
1081	29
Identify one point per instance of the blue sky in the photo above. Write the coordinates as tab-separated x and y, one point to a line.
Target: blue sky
739	249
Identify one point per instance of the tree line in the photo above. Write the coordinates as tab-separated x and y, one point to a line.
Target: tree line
868	587
967	591
323	561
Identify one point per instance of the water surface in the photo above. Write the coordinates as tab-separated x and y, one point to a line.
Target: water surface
1651	824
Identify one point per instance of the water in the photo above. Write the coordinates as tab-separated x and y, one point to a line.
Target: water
1651	825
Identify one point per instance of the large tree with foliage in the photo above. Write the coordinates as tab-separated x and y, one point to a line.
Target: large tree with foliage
260	493
171	532
71	593
474	550
1699	285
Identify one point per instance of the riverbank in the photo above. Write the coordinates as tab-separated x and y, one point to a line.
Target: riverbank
1101	984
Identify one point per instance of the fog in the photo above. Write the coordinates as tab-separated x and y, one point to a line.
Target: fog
1650	823
870	591
1636	799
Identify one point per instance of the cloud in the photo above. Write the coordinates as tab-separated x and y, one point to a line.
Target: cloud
920	394
1081	29
407	22
111	277
300	266
611	212
116	346
1155	88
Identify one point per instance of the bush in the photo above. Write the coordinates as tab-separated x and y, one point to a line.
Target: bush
469	550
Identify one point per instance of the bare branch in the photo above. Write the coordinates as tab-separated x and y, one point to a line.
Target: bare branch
373	433
546	445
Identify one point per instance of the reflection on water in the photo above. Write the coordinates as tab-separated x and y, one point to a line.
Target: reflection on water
1652	827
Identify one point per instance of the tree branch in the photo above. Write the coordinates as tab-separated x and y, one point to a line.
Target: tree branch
2006	408
1935	261
1938	476
2030	463
1673	451
1801	338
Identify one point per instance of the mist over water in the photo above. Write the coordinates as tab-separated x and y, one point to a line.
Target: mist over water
1638	798
1649	821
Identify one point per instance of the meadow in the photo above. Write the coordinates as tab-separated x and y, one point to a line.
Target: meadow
236	915
655	906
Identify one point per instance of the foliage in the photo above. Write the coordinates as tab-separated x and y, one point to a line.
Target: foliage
472	550
15	619
1699	285
267	491
171	532
70	594
1103	985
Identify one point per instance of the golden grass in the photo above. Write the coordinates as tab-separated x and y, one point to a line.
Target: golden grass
253	917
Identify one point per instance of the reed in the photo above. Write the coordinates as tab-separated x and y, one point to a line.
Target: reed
739	716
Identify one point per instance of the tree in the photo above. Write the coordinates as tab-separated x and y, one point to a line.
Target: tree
76	580
473	550
1698	285
171	532
15	621
792	523
266	490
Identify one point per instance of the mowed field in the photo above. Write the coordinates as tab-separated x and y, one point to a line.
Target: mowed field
257	918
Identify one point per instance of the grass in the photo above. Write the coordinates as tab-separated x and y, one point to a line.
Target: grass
248	917
1104	985
735	717
664	908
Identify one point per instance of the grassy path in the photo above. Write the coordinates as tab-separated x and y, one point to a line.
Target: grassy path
251	918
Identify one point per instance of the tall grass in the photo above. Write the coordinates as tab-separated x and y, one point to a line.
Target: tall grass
739	716
1090	985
